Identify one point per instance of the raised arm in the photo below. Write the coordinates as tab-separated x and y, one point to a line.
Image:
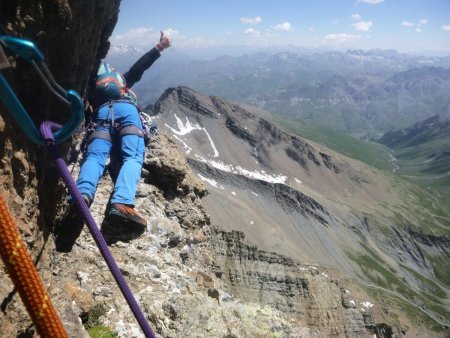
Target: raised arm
134	74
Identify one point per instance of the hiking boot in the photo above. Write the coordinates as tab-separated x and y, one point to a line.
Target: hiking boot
125	214
70	227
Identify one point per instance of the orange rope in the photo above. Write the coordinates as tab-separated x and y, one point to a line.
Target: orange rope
26	278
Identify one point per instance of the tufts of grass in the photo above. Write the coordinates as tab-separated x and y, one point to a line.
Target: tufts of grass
91	322
101	332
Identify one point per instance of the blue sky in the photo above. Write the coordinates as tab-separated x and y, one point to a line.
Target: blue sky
416	26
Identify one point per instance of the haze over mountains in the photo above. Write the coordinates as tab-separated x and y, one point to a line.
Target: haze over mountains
362	93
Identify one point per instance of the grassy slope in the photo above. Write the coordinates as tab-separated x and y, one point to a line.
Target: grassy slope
373	154
415	164
423	210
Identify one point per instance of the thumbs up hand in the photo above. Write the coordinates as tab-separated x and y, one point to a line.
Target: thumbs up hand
164	42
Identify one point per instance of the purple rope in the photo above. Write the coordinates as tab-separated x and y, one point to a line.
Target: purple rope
46	131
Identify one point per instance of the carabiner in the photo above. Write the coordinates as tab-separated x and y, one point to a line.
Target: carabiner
28	51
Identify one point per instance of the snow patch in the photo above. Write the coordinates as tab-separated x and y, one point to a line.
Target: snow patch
259	175
297	180
367	305
186	128
233	193
189	149
208	180
216	153
251	222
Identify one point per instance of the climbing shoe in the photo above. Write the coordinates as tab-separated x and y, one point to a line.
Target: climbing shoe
125	214
70	227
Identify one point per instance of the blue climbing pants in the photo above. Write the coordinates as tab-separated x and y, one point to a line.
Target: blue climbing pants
132	150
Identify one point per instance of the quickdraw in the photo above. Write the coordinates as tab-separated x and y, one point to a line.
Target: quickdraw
31	54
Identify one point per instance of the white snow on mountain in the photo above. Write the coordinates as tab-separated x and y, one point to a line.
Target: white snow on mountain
185	128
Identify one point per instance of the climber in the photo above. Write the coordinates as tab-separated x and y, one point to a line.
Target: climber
117	121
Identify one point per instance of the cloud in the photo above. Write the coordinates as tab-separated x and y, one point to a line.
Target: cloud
251	21
407	24
371	2
252	31
418	25
136	36
446	28
362	26
144	36
356	17
148	37
312	29
285	26
341	37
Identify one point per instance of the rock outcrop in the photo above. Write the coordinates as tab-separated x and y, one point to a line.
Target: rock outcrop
313	299
73	36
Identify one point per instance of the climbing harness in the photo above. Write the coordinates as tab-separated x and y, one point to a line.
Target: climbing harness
113	129
51	134
26	278
31	54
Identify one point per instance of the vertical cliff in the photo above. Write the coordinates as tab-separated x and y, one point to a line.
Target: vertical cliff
73	35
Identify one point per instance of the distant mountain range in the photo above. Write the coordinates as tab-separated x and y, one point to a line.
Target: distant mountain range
362	93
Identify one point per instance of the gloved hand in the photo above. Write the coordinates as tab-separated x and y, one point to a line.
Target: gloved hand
164	42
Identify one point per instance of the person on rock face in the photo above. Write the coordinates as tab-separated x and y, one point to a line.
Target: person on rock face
117	121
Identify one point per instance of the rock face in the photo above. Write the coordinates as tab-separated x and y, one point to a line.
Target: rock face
73	37
313	299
